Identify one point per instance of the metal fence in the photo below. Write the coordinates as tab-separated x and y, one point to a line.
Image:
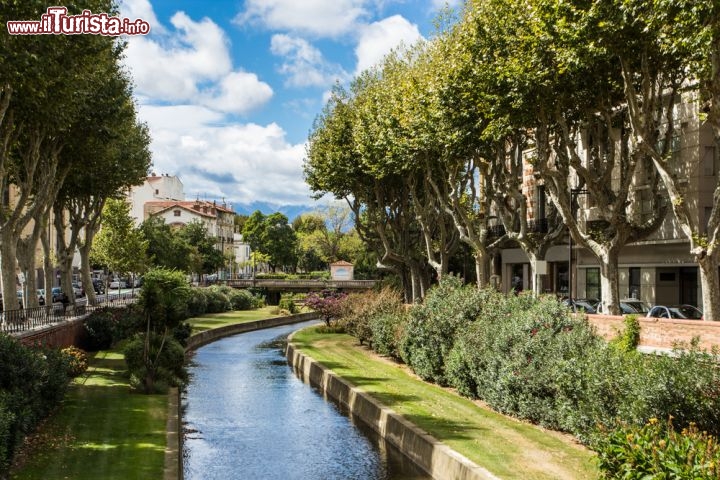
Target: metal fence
24	319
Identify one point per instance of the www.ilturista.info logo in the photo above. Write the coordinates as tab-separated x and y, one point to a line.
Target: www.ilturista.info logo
57	22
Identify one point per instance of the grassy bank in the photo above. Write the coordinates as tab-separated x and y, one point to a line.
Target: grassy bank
508	448
217	320
101	431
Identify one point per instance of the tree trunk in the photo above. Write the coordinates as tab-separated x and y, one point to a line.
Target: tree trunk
85	273
481	268
609	283
8	256
26	260
710	285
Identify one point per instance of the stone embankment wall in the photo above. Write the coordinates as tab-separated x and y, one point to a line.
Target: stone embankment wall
436	458
661	333
208	336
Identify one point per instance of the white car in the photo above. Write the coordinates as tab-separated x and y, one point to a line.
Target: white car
117	284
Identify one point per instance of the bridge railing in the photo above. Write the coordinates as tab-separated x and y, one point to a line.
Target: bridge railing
301	284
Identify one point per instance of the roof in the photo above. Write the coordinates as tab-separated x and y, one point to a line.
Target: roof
164	205
342	263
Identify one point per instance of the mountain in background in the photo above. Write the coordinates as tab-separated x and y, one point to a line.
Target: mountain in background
290	211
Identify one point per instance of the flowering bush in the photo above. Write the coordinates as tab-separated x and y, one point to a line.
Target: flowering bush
77	361
655	450
327	303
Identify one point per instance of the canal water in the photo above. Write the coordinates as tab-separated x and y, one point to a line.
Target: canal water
247	416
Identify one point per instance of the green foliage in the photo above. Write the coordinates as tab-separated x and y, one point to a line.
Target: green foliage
217	300
366	316
197	302
203	257
659	451
449	308
158	368
77	361
273	236
163	298
119	245
242	300
32	383
107	326
288	303
629	338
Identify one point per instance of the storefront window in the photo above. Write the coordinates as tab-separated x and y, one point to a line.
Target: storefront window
592	283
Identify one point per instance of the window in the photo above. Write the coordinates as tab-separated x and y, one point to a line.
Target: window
667	277
634	283
176	213
157	192
592	283
708	161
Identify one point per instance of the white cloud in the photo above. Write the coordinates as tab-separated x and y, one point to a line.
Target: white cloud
192	64
327	18
379	38
239	162
141	9
304	64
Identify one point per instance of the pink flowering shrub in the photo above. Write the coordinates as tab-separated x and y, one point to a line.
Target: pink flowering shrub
327	303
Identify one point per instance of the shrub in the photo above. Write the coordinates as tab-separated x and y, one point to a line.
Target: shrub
629	338
287	303
182	332
387	332
431	330
197	302
241	300
327	303
32	383
164	366
77	361
521	358
217	301
659	451
360	312
99	327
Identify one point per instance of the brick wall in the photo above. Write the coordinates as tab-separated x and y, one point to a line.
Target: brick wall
62	335
662	332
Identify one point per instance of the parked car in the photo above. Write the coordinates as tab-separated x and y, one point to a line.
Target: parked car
683	312
41	296
78	291
98	285
117	284
57	294
581	304
628	306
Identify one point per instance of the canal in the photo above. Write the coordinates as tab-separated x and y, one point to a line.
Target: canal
247	416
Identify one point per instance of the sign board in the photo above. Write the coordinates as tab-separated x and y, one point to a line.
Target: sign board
541	267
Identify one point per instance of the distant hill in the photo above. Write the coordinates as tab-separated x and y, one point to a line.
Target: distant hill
290	211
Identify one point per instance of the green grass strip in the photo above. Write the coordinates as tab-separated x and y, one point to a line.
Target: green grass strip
510	449
217	320
102	430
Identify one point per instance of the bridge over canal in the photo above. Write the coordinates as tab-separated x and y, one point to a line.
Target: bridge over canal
275	287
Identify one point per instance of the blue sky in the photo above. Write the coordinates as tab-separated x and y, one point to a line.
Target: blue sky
230	88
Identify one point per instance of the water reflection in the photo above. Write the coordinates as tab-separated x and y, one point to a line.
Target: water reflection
248	417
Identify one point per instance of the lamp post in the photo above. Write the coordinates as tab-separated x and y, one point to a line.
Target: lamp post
574	192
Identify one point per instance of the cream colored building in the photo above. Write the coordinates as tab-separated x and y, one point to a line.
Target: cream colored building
658	270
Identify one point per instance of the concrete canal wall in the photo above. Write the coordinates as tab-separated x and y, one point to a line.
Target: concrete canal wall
209	336
436	458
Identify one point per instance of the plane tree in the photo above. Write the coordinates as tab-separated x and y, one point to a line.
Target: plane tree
669	56
39	80
564	90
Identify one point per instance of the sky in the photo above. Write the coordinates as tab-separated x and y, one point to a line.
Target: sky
230	88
